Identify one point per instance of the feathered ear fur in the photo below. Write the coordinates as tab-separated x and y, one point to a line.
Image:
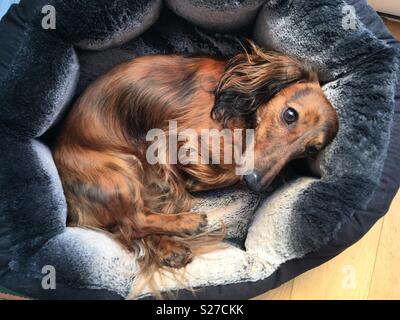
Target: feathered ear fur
251	79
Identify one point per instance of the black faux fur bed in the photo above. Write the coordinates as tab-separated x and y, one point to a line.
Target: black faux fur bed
272	235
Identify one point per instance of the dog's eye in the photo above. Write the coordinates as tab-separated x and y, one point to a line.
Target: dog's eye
290	116
313	150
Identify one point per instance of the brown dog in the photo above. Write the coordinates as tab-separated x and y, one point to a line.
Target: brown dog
101	150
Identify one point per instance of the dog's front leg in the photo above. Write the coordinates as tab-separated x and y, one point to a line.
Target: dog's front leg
182	224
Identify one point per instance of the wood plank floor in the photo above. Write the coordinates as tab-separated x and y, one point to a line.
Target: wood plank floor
367	270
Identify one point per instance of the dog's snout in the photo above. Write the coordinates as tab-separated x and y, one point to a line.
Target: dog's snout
253	181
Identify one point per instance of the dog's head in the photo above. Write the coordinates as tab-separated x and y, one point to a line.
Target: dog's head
283	101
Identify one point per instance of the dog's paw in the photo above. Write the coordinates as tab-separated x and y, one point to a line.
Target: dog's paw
203	223
175	255
193	223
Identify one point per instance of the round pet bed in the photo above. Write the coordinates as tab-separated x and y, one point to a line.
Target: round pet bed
272	237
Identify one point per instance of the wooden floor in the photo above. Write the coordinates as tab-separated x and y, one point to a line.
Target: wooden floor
370	269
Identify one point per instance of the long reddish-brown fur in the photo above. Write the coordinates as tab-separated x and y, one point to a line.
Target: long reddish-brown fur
100	152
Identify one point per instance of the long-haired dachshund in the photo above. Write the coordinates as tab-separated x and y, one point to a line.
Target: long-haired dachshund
101	149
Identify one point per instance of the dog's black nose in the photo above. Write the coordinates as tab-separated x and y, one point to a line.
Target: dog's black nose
253	181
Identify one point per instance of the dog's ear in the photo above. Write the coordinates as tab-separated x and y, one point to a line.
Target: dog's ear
251	79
